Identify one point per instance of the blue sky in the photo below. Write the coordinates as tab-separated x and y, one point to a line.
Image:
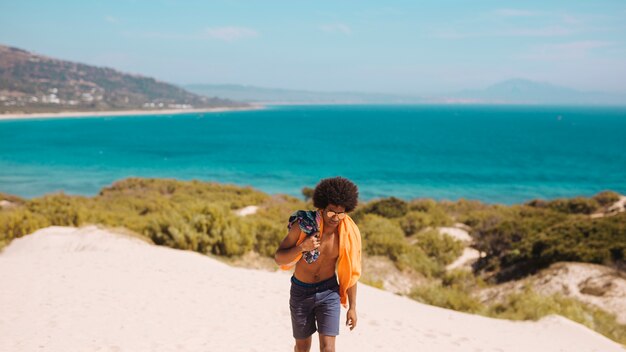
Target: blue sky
409	47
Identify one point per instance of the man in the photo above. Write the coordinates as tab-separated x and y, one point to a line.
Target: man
325	247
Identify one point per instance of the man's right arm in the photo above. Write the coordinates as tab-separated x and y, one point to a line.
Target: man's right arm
288	250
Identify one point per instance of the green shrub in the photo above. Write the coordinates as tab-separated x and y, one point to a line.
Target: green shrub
506	234
461	279
278	208
60	209
462	207
423	205
380	236
415	259
237	239
211	229
181	191
388	207
17	222
455	293
447	297
173	231
601	241
529	305
372	282
227	234
415	221
307	192
437	213
606	198
442	248
269	235
578	205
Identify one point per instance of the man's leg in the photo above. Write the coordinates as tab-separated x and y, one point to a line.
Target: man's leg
327	343
327	314
301	305
303	345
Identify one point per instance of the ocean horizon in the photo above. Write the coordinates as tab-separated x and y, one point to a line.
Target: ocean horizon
495	154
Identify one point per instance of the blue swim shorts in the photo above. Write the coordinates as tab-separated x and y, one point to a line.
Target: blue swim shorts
314	303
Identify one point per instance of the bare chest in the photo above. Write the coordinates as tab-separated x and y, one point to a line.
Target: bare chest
329	246
324	266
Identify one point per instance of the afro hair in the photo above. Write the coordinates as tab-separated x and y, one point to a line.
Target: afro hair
338	191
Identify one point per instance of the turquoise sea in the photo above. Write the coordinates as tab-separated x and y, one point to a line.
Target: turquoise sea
504	154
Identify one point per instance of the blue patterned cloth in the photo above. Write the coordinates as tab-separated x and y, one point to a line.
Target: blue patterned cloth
309	224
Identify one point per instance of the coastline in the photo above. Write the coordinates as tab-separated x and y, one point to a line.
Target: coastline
79	114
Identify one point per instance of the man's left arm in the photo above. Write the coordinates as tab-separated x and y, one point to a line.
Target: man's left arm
351	316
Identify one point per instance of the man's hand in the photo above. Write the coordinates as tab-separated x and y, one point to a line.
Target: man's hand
351	318
310	243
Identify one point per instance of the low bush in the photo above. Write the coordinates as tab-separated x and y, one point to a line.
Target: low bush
525	305
437	213
415	221
387	207
578	205
17	222
61	209
606	198
529	305
307	193
269	235
449	297
382	236
441	248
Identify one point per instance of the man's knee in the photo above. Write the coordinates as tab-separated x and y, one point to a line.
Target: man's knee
303	345
327	348
327	344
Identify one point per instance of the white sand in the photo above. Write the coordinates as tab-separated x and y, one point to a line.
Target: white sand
465	261
245	211
6	204
456	233
90	290
73	114
618	206
460	232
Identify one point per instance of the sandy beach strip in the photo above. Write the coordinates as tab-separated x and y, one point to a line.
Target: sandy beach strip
89	289
85	114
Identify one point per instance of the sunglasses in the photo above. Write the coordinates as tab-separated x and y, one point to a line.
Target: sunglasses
340	215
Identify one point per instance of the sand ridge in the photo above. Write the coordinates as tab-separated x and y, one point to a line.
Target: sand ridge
88	289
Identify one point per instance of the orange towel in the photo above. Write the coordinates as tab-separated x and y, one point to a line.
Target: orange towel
349	262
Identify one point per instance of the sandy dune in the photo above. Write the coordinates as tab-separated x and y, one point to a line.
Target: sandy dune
66	289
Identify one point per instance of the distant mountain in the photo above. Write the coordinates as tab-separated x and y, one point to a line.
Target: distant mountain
521	91
287	96
35	83
514	91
